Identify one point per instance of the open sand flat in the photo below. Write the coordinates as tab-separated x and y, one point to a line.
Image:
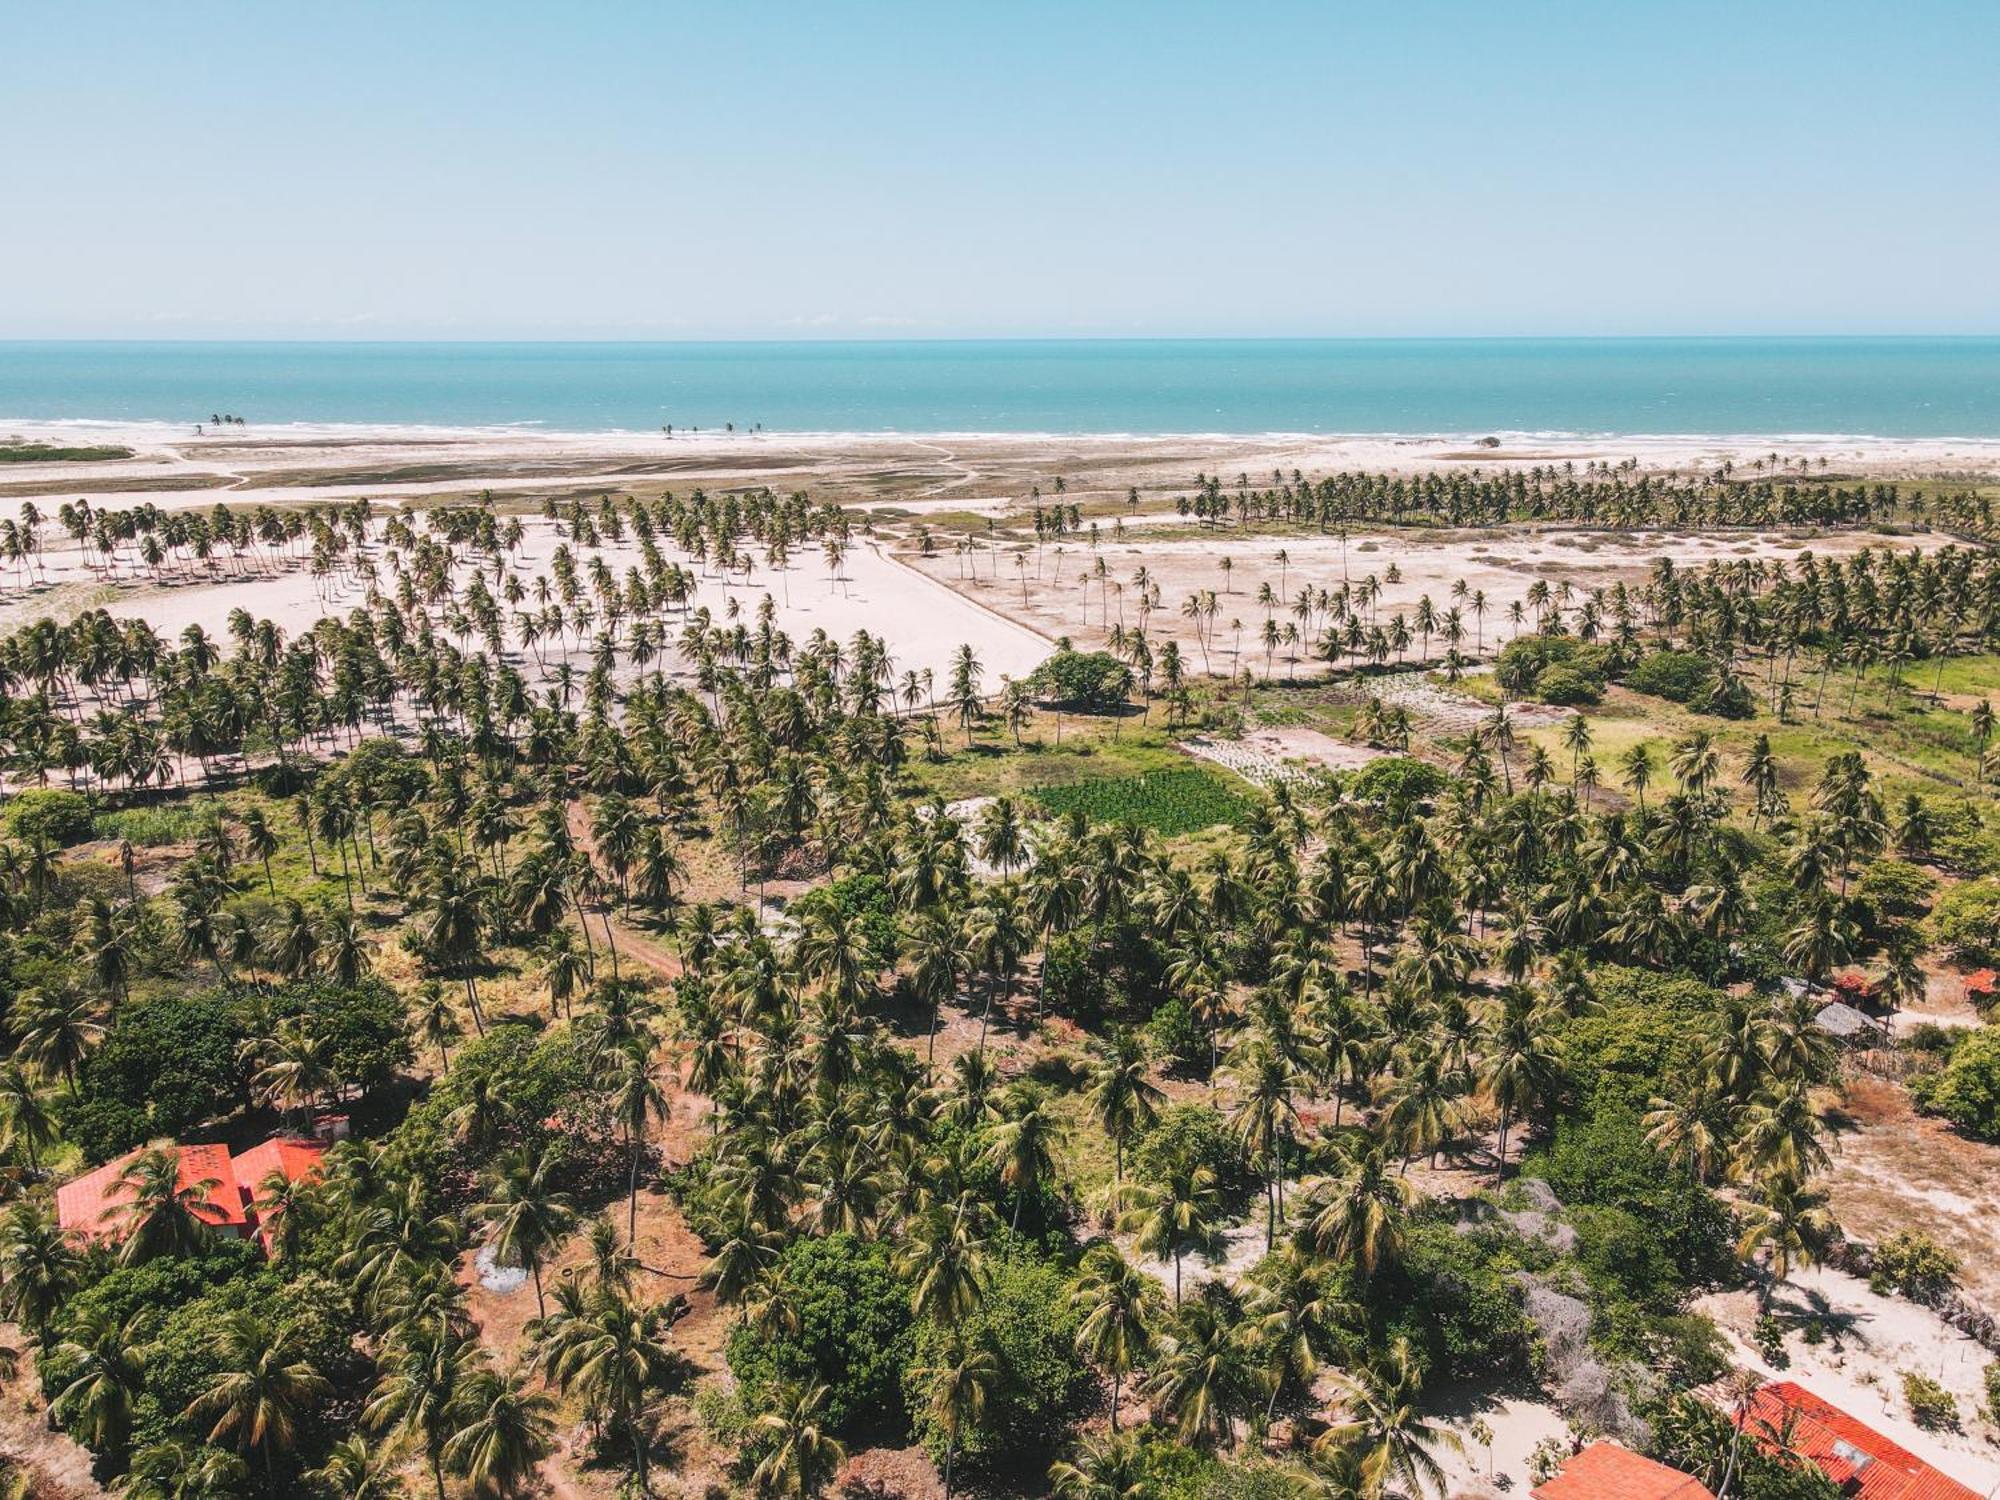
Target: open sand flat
922	621
1060	591
977	472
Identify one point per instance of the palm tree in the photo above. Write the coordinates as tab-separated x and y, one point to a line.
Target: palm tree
1358	1216
426	1365
105	1361
1122	1097
1520	1064
613	1352
1024	1143
1205	1378
1118	1306
262	1388
636	1099
1168	1219
39	1265
355	1469
1386	1428
957	1384
260	842
505	1433
528	1213
1789	1226
802	1457
162	1216
1265	1118
1112	1468
56	1032
24	1116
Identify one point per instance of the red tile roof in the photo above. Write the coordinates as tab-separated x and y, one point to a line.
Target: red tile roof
93	1205
295	1158
1854	1456
1605	1471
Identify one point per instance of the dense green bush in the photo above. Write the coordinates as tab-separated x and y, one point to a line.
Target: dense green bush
166	1065
47	813
853	1332
1073	983
1678	676
866	901
1084	681
1396	782
1894	890
1566	688
1187	1136
1455	1298
1932	1407
1965	922
1174	1033
1967	1090
365	1024
1914	1264
1026	1322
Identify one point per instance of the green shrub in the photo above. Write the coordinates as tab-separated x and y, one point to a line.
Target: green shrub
1072	982
1397	782
1187	1136
1965	923
1967	1090
1932	1407
1456	1298
853	1332
1173	1032
1566	688
166	1065
1894	890
48	813
1914	1264
1026	1322
149	827
1677	676
1082	681
866	901
1993	1391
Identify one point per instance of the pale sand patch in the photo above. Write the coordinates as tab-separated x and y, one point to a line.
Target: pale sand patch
1861	1371
255	463
923	622
1059	591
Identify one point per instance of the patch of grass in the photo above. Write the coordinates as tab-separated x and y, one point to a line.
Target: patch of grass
150	827
1169	802
49	453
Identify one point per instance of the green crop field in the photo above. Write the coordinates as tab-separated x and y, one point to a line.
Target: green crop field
1170	803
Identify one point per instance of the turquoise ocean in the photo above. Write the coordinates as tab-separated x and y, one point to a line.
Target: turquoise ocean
1880	387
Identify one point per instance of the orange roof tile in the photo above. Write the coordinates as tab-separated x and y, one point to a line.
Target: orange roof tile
1605	1471
295	1158
93	1205
1853	1455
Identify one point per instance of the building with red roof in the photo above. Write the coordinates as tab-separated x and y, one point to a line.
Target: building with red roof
1856	1457
93	1206
1605	1471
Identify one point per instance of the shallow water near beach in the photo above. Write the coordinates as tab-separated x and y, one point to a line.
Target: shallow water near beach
1883	387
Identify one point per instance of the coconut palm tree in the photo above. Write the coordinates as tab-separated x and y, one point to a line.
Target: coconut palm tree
504	1434
104	1361
528	1213
1118	1306
161	1215
1385	1427
1358	1216
956	1385
263	1387
801	1457
1789	1226
1172	1217
1205	1377
356	1469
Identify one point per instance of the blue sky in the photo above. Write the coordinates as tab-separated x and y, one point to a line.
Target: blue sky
846	170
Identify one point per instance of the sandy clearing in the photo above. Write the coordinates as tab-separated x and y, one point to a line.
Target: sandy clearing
1059	590
1860	1371
923	621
